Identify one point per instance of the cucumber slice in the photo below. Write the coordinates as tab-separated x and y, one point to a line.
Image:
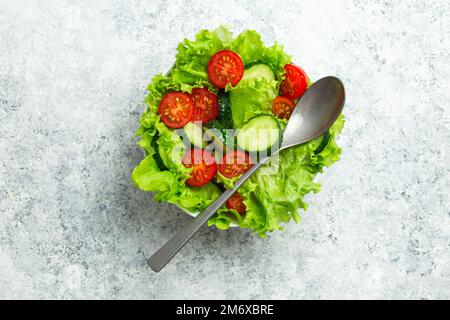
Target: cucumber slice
259	133
224	109
325	139
158	159
194	133
259	71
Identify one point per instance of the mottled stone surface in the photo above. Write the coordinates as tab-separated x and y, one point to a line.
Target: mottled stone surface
72	225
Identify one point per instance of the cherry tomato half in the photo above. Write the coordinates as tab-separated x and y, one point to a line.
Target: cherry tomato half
176	109
225	67
236	202
296	82
235	163
203	166
206	105
282	107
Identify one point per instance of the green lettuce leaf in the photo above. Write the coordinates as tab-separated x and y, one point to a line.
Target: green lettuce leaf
191	64
275	57
148	177
195	199
249	46
250	98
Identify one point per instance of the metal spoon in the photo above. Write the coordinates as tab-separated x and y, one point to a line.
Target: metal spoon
315	112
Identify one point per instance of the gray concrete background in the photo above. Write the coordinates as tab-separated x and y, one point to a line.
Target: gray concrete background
72	225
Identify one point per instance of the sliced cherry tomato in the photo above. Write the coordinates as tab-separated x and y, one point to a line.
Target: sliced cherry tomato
176	109
235	163
236	202
203	166
282	107
296	82
225	67
206	105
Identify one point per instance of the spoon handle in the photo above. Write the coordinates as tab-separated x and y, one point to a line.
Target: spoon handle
161	257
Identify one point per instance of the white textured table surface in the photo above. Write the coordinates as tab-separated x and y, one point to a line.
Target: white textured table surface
72	225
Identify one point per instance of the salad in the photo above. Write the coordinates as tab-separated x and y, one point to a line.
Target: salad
201	131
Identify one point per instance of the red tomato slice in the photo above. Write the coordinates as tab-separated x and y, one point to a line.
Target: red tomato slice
235	163
225	67
236	202
176	109
206	105
296	82
282	107
203	166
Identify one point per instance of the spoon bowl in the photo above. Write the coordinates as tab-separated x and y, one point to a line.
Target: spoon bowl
315	112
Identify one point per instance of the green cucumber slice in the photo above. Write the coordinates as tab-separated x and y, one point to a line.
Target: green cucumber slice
259	71
157	156
224	109
259	133
194	133
323	144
